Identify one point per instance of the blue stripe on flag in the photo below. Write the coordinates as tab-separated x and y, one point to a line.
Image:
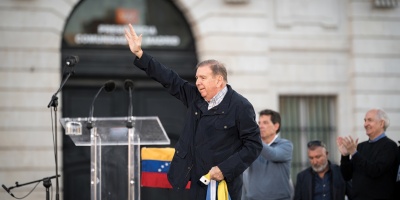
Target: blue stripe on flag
155	166
212	195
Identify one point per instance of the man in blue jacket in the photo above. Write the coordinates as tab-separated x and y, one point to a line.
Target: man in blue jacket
220	135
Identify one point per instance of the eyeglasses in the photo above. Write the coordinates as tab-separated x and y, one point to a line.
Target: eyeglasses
315	143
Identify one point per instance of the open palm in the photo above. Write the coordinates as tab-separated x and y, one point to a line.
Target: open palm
342	149
134	41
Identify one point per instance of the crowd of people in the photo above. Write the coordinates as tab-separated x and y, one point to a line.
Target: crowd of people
222	138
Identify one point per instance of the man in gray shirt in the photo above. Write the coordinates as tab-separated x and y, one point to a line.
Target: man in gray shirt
268	177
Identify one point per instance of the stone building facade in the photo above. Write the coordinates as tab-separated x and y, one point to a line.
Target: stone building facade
346	49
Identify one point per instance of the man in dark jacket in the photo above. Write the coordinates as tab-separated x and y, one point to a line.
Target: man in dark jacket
323	180
220	135
371	165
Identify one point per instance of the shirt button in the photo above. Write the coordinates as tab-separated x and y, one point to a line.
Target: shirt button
225	127
195	113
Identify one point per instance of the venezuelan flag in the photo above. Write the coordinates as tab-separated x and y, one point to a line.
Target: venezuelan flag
155	166
215	188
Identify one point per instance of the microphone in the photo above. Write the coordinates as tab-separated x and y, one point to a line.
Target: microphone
109	86
70	61
128	86
5	188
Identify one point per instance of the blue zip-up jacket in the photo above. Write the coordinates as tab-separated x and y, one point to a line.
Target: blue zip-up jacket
226	136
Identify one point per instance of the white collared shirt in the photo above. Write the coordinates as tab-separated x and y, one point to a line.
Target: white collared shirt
216	100
276	136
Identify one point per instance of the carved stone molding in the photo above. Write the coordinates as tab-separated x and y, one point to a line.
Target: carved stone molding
307	12
385	3
236	1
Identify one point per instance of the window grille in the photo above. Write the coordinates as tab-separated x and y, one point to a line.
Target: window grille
306	118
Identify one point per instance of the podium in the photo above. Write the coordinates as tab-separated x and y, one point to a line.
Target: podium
114	131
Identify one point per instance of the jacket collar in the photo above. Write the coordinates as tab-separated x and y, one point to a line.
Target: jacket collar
276	140
224	105
221	108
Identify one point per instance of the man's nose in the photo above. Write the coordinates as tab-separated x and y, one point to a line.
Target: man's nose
313	161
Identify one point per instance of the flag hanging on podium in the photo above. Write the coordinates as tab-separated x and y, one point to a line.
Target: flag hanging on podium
155	166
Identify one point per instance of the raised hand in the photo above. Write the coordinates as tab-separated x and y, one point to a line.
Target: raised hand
350	144
342	149
134	41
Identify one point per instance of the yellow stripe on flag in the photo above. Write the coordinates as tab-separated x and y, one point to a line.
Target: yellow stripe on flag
164	154
222	190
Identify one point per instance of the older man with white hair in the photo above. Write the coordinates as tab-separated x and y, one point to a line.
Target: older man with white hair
371	165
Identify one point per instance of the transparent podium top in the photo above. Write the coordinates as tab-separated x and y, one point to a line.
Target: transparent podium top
113	130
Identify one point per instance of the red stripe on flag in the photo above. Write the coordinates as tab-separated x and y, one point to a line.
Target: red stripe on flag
157	180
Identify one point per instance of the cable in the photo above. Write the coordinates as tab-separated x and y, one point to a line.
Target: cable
27	194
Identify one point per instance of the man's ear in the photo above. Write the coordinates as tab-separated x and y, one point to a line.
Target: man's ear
220	80
382	123
276	126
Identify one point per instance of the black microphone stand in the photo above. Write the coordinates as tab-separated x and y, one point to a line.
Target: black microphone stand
46	184
54	103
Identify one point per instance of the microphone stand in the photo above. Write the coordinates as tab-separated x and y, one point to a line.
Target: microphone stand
89	125
46	184
54	103
129	122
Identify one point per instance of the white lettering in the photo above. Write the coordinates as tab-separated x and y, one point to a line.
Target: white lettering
161	40
97	39
115	29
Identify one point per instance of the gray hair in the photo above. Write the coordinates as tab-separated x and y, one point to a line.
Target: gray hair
312	145
217	68
381	115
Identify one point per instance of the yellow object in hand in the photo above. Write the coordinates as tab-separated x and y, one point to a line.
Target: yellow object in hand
222	190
